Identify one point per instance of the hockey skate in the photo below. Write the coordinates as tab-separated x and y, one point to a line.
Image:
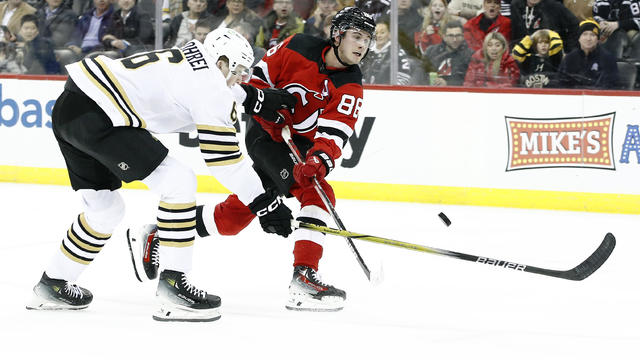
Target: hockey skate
144	247
56	294
307	292
181	301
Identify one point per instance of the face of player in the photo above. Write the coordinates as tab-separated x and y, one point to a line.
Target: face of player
28	31
453	37
491	8
238	75
200	33
437	9
126	4
542	47
588	40
494	49
354	46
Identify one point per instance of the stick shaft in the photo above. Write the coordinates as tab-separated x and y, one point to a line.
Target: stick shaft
580	272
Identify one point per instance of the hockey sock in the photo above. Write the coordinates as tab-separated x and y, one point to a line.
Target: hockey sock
307	253
79	247
176	232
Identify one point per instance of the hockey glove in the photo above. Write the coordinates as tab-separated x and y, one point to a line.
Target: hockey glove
318	164
275	217
266	103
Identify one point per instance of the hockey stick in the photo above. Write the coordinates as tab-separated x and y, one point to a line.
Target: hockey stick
580	272
286	135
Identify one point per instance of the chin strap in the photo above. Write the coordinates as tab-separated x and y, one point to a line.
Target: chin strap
335	51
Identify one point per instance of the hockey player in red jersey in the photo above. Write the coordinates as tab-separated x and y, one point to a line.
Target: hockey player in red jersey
326	79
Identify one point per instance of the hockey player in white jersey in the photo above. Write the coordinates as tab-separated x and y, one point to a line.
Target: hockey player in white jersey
103	122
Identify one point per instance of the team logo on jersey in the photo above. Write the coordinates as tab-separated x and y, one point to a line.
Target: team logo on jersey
284	174
124	166
295	88
583	142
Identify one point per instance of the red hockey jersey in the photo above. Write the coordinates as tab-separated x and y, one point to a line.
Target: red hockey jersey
329	100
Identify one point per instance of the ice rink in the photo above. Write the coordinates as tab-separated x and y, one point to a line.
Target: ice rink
428	307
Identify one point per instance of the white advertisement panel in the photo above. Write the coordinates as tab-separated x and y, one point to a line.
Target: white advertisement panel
559	142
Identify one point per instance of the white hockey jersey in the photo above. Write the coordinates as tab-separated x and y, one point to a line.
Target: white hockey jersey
168	91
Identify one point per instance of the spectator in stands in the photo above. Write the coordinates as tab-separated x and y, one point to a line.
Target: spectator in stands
12	11
9	62
233	13
451	57
244	29
539	57
492	66
202	28
376	67
409	20
130	31
619	22
56	22
80	6
315	23
280	23
467	9
89	31
590	66
527	16
171	9
37	52
489	21
375	8
435	18
183	25
326	27
581	9
303	8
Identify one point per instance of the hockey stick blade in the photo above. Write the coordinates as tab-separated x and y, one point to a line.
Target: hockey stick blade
580	272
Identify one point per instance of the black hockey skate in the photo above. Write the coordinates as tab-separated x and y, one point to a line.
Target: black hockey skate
56	294
181	301
144	247
308	293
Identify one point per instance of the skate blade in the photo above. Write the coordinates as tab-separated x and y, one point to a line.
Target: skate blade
306	303
136	259
38	303
173	313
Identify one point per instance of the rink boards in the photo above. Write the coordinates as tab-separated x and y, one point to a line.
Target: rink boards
550	150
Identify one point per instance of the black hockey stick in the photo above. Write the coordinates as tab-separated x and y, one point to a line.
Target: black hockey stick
286	135
580	272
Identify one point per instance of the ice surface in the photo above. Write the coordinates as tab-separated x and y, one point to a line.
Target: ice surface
428	307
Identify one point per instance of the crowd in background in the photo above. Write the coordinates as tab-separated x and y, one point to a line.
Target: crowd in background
591	44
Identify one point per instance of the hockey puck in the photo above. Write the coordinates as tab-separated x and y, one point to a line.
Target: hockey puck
444	219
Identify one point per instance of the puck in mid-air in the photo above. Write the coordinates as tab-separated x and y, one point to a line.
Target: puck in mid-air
444	219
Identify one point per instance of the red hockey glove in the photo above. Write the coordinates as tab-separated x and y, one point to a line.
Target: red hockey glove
318	164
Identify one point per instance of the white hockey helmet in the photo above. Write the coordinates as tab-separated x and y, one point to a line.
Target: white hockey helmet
229	43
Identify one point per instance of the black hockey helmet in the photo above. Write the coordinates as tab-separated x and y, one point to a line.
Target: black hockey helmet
351	18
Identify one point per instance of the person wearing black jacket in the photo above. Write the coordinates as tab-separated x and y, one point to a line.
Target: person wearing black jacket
527	16
56	22
590	66
451	57
130	30
36	51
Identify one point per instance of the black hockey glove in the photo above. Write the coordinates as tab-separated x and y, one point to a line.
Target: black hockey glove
266	102
275	217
